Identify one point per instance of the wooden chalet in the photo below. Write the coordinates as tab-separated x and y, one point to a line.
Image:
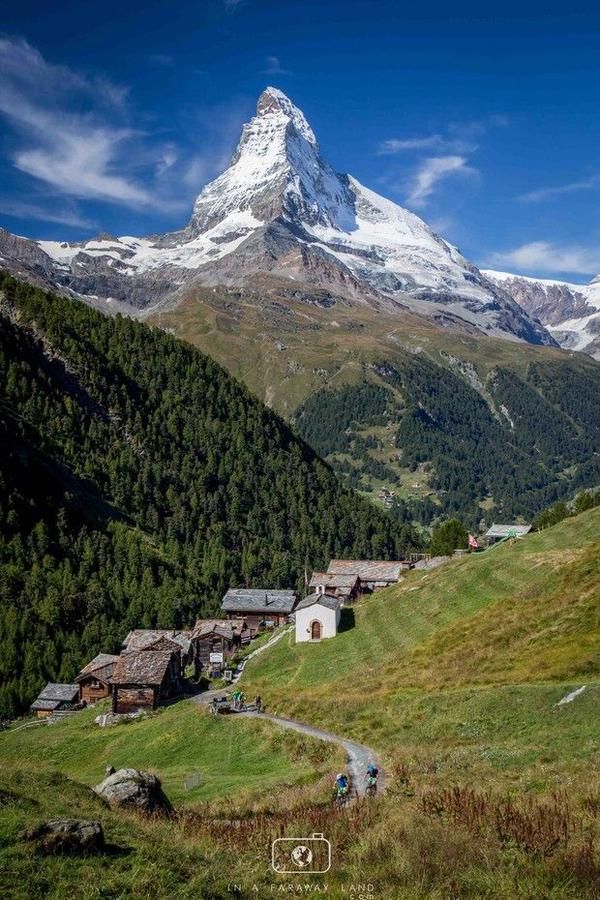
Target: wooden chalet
54	698
373	574
216	641
142	678
94	680
258	607
345	587
161	639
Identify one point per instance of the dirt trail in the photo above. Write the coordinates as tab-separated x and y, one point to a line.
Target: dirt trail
359	756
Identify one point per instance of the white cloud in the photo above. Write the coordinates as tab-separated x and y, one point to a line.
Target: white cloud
544	193
429	142
546	258
397	145
73	131
459	138
433	170
167	159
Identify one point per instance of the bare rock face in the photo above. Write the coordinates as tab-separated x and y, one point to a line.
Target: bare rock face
570	312
133	789
73	836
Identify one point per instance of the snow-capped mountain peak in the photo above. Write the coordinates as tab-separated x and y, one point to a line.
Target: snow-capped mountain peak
276	170
280	211
273	102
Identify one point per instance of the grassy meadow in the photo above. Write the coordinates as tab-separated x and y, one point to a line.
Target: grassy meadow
454	676
180	743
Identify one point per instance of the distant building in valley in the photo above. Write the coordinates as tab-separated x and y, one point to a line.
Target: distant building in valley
94	680
259	607
500	532
54	698
317	618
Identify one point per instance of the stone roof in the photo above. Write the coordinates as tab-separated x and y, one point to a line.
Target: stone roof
140	638
322	599
55	694
368	570
501	531
204	627
255	600
45	705
97	664
141	667
331	579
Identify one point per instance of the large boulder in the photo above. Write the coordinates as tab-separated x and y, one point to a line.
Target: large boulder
133	789
60	836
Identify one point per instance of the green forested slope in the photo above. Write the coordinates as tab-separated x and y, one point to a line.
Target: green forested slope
137	481
517	442
454	423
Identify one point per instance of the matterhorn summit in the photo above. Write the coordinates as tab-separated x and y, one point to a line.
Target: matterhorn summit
280	219
276	171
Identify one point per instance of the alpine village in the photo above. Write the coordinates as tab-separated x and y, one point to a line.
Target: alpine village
299	507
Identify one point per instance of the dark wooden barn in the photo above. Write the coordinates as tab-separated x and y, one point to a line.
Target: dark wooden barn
143	678
94	680
215	642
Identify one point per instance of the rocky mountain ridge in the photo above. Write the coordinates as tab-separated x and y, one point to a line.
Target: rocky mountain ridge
570	312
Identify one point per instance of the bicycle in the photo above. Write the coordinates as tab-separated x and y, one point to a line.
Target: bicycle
371	788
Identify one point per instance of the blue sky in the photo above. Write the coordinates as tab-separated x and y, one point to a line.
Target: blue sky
483	122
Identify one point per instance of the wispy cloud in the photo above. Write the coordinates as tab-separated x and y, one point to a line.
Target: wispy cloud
453	147
429	142
73	130
61	216
273	66
458	137
433	170
545	257
586	184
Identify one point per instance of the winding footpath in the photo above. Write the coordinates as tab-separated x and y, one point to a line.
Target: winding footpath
359	756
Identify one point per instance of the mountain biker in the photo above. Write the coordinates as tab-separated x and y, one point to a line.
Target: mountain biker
341	783
372	773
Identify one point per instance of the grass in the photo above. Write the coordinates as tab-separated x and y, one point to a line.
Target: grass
454	676
436	627
322	347
463	666
231	755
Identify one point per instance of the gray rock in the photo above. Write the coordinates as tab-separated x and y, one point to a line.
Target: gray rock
57	836
133	789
